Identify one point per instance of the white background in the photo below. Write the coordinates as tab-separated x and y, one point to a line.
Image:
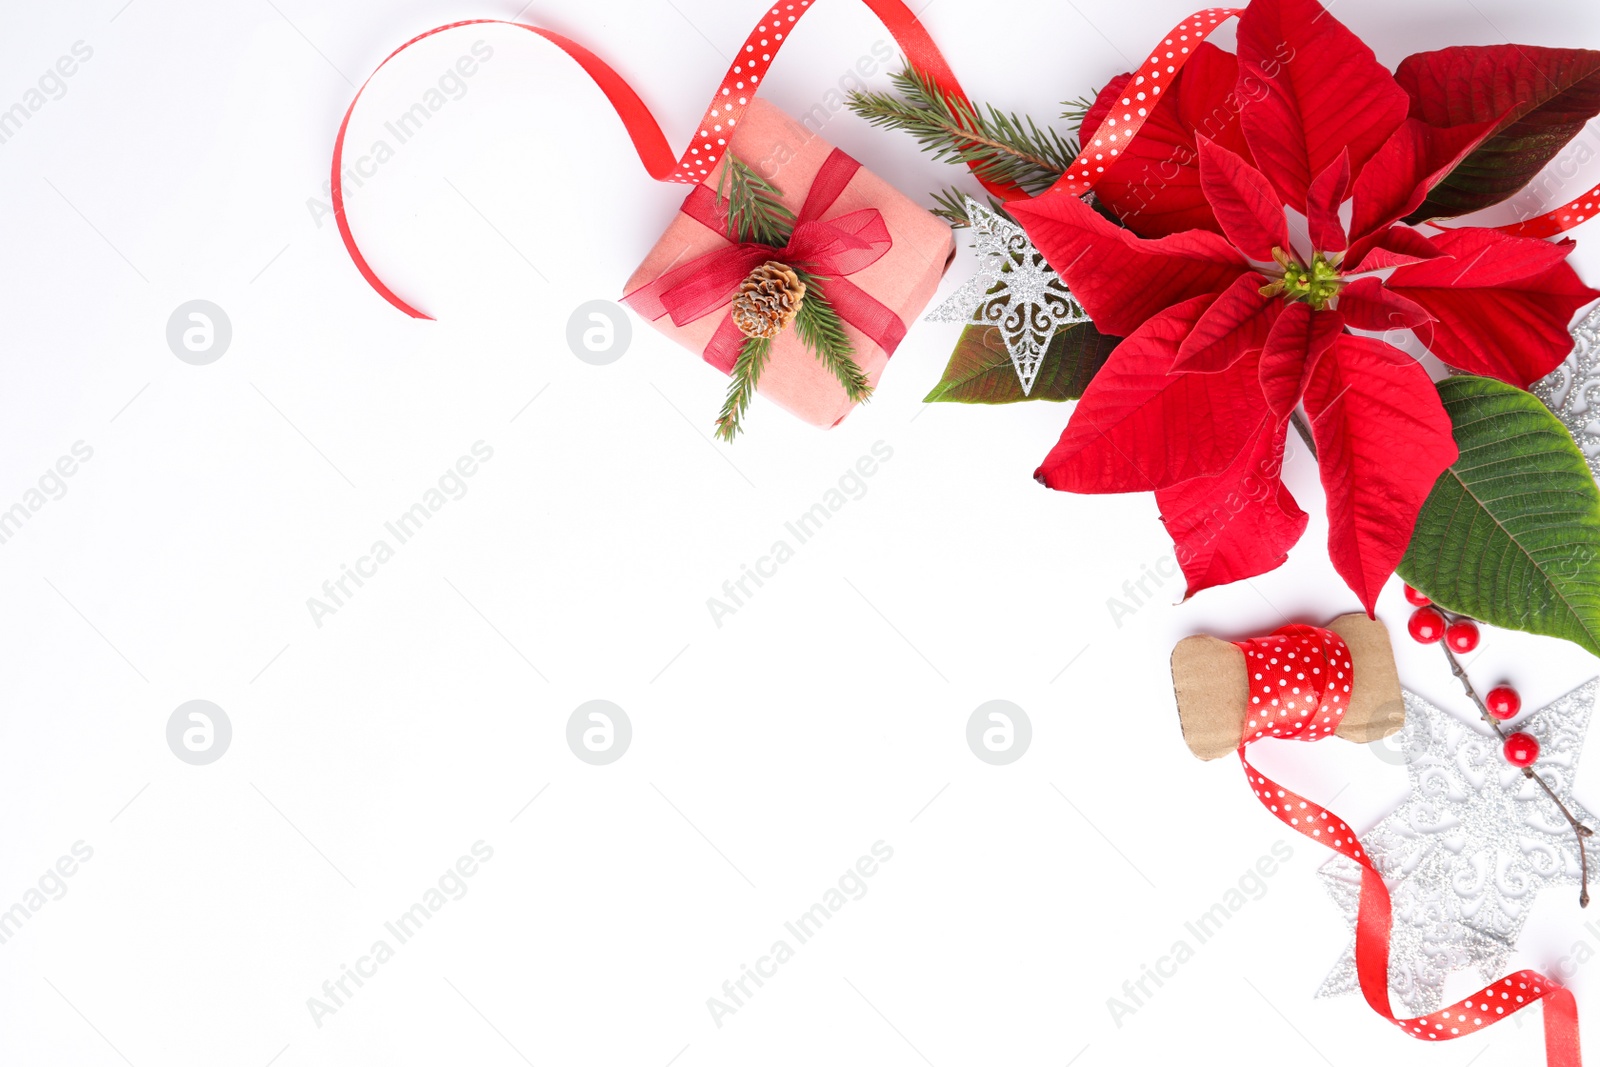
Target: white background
768	754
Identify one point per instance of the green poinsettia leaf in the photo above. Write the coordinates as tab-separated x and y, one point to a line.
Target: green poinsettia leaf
1540	99
1510	533
980	370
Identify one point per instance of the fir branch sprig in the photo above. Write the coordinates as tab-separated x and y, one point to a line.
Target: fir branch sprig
951	205
1075	111
747	370
1000	147
821	330
756	212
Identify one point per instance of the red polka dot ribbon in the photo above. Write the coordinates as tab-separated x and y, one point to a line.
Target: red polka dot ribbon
1142	94
755	56
1300	679
1559	221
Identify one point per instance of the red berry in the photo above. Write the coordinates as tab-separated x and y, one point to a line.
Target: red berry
1461	635
1427	625
1521	750
1503	702
1419	599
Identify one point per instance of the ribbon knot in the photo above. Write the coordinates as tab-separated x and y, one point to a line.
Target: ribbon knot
829	250
832	249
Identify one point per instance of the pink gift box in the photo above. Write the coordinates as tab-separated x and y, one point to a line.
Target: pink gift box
903	279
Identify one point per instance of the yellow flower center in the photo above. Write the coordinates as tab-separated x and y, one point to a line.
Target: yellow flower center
1316	283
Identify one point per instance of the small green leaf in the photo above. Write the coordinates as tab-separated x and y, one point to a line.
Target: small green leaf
980	370
1510	533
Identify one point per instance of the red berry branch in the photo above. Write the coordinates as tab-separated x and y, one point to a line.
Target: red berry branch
1428	626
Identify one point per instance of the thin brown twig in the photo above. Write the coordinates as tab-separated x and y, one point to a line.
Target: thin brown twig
1579	830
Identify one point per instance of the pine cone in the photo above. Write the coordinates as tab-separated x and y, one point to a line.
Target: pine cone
768	300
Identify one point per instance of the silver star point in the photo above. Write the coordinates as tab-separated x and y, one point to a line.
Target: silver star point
1015	291
1572	390
1468	849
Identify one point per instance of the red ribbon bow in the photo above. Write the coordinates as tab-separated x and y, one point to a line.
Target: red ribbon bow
1300	679
831	248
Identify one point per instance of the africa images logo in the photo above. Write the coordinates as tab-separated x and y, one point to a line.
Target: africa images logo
804	527
851	885
337	592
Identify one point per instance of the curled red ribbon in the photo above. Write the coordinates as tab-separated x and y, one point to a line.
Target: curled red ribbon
728	104
831	248
1554	223
1300	679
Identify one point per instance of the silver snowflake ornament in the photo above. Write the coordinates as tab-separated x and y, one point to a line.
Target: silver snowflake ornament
1572	390
1014	291
1469	848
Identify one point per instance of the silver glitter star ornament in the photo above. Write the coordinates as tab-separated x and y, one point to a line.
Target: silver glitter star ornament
1468	850
1572	390
1029	301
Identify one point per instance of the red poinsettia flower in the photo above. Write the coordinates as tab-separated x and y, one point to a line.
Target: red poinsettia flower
1268	263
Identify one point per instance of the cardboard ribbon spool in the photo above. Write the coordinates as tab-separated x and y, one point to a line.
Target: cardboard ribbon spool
1213	688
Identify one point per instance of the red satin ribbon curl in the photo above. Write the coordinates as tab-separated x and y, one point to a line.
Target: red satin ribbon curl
733	95
1300	679
648	140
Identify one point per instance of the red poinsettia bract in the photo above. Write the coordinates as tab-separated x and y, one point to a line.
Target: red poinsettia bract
1263	268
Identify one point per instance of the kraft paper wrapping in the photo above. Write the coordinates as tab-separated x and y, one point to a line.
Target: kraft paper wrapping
1208	676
